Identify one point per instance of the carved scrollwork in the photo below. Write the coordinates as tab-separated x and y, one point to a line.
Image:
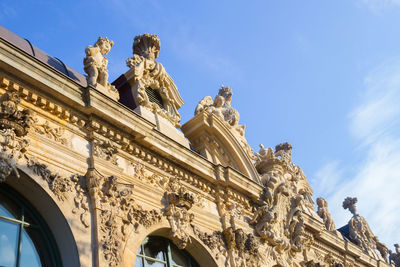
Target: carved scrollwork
14	125
64	188
178	203
119	215
280	222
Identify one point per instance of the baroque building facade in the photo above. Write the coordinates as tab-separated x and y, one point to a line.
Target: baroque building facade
95	173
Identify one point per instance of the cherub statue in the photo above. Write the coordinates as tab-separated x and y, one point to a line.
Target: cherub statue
325	215
95	64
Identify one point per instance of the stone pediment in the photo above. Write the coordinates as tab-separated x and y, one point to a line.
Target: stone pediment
214	139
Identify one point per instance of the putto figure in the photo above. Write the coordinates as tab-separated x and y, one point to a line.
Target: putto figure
95	65
325	215
221	106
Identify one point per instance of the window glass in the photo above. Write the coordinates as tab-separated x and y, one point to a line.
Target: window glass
29	255
8	243
157	251
151	263
154	248
139	262
178	259
25	239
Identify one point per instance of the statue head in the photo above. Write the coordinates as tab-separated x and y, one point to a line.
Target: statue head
321	202
104	45
226	92
287	147
350	203
147	45
397	246
219	101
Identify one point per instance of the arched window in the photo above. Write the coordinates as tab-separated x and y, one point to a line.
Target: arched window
25	239
157	251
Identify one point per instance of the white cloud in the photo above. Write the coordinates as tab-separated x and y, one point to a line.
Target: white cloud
378	6
374	122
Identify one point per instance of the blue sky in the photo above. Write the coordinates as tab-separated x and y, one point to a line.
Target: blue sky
323	75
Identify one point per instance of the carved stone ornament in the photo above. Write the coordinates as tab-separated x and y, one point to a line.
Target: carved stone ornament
64	188
359	231
119	215
280	222
178	203
105	150
14	125
95	65
325	215
221	107
54	133
148	74
278	165
394	258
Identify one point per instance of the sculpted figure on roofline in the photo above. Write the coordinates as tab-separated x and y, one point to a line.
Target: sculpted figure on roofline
95	65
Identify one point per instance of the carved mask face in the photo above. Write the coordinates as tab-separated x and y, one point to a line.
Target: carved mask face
105	47
150	53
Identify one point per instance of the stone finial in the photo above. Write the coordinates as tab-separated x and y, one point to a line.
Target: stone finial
147	45
350	203
325	215
95	65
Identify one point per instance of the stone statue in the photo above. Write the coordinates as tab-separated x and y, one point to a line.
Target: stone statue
221	106
359	230
382	248
146	72
264	154
394	258
95	65
325	215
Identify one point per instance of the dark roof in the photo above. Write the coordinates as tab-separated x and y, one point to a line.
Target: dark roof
344	230
55	63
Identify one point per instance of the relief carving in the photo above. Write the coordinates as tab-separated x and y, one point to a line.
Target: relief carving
54	133
178	203
119	215
95	65
280	221
148	73
14	125
105	150
273	165
64	188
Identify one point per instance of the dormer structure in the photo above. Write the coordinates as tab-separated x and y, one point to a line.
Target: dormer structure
148	89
